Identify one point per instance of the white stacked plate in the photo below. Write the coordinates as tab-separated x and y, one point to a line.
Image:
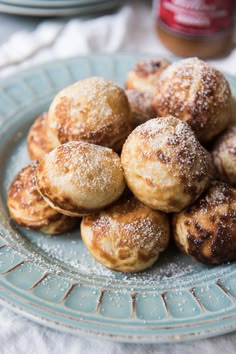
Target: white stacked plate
57	7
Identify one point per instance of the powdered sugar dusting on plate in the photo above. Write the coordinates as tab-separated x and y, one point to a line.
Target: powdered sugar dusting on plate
74	256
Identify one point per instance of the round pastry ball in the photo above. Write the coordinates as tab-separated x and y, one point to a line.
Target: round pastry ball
224	155
206	230
93	110
79	178
197	94
127	237
141	106
39	139
164	164
28	208
145	75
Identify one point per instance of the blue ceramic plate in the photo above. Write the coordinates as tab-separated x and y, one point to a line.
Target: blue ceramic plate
54	281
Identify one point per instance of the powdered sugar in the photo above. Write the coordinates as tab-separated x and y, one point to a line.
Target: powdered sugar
73	255
196	93
79	175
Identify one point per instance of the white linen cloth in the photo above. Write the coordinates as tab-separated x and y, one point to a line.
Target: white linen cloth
130	29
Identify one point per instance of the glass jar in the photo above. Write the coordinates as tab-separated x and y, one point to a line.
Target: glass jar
202	28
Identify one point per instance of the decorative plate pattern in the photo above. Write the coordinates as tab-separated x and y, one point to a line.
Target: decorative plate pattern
54	281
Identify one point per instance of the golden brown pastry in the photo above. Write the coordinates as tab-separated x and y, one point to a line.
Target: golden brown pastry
197	94
94	110
79	178
39	139
145	75
127	237
206	230
28	208
224	155
164	164
233	102
141	106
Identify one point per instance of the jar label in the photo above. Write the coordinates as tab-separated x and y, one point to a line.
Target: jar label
197	17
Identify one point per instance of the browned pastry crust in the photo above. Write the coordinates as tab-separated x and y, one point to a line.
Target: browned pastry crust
39	140
197	94
224	155
206	230
145	75
127	237
233	104
93	110
164	164
28	208
141	106
79	178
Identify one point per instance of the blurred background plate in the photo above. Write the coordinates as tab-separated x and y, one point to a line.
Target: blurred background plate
56	3
63	10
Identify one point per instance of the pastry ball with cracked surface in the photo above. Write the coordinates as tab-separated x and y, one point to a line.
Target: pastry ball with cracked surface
39	139
79	178
164	164
141	106
93	110
206	230
127	237
28	208
224	155
197	94
145	74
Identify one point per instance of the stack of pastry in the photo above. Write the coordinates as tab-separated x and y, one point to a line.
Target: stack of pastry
132	164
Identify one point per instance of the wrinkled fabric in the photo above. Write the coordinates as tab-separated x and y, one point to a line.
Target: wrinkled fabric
130	29
22	336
